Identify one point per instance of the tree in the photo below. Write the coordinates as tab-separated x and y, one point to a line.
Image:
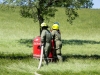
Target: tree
40	10
88	4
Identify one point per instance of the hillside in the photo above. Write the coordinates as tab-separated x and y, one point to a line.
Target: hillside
13	25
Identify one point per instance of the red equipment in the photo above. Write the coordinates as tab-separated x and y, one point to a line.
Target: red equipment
37	48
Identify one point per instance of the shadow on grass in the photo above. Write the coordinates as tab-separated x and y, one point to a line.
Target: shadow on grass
15	56
28	56
28	42
79	42
66	56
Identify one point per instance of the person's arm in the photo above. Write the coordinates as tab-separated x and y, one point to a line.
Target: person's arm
53	35
43	37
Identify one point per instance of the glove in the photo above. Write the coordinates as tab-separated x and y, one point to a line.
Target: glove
42	44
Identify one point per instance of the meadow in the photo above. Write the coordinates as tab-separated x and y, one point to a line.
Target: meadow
81	44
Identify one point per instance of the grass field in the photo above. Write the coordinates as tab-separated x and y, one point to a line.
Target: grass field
81	44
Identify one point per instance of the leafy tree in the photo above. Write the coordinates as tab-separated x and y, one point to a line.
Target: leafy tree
40	10
88	4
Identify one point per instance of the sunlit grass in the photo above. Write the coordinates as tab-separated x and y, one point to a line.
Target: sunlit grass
18	67
72	66
81	44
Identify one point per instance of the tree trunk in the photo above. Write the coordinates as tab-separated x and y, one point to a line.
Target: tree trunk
40	18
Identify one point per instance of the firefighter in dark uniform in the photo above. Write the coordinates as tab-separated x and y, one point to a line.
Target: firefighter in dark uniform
58	43
46	38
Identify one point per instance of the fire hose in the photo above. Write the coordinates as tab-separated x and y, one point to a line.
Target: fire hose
40	57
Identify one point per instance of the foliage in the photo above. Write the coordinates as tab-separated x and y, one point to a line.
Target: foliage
41	10
88	4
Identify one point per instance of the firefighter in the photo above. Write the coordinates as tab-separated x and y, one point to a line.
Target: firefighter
58	43
46	38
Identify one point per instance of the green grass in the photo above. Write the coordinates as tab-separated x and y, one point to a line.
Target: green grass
73	66
24	66
81	44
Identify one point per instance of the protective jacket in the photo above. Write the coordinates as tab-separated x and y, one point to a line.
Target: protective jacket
57	38
46	38
58	43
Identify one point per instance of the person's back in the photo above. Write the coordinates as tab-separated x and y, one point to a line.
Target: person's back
46	38
56	35
58	43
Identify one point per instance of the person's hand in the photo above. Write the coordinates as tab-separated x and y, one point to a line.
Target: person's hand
42	44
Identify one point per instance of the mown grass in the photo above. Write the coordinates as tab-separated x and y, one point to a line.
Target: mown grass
81	44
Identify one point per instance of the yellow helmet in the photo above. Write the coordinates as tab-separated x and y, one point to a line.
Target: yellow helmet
43	24
55	26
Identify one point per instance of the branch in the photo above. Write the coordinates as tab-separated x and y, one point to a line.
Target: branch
51	2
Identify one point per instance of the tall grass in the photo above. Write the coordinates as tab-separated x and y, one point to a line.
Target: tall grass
81	44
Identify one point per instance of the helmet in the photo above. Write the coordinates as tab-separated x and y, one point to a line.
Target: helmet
56	23
44	25
55	26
